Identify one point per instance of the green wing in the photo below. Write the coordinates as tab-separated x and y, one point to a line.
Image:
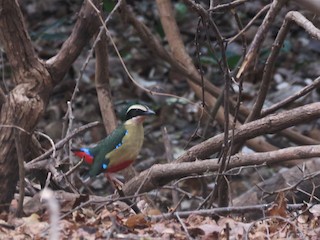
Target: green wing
104	147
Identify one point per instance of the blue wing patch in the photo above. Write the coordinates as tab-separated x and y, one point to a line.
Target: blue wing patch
87	151
104	166
119	145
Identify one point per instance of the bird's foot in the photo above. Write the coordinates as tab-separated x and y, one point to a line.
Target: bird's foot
116	183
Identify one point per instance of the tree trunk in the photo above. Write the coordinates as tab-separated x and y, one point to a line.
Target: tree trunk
34	80
23	107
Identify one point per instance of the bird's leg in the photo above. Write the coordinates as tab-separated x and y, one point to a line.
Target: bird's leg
116	184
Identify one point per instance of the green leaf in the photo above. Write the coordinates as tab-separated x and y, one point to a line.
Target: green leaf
108	5
181	11
232	59
287	47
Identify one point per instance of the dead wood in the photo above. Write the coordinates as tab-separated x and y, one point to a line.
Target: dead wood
211	92
34	80
159	175
273	123
300	184
103	83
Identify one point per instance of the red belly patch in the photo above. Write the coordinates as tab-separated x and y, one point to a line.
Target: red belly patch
119	167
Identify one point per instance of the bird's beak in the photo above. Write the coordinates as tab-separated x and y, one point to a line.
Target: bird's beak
149	112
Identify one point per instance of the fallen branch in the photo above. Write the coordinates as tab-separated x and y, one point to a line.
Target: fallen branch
223	210
270	124
161	174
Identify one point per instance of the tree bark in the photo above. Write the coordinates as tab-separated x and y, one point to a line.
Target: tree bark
34	81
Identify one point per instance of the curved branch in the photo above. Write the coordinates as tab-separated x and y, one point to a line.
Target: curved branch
16	41
84	29
260	36
270	63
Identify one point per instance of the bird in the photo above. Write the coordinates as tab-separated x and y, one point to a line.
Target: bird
119	149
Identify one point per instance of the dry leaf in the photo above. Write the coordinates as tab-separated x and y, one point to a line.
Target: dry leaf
315	210
153	212
205	230
138	221
279	207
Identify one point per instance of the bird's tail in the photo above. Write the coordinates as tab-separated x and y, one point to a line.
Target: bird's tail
83	153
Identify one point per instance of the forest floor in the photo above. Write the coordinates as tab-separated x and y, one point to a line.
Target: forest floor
96	211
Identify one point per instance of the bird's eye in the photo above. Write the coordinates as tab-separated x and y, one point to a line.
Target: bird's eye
104	166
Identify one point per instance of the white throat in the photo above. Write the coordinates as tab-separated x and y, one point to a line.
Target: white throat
136	120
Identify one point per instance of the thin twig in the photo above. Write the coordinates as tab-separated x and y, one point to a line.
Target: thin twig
240	33
50	140
198	53
74	167
20	156
61	143
301	235
256	44
89	56
223	210
183	226
15	127
270	62
70	124
228	6
170	158
292	98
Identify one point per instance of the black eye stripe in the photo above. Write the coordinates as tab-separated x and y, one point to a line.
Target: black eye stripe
134	113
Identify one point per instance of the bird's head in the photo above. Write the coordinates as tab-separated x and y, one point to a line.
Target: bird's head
137	112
